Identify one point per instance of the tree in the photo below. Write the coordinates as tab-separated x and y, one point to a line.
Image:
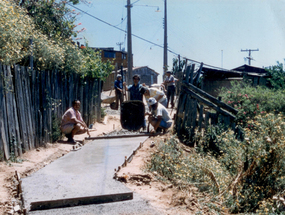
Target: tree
54	19
276	77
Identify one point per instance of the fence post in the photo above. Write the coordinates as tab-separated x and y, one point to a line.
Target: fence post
31	56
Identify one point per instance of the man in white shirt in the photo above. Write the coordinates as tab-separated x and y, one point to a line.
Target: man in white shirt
170	86
154	93
159	116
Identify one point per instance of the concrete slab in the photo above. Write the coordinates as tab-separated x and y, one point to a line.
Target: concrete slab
137	206
84	173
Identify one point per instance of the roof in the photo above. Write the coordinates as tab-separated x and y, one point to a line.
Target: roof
109	49
136	68
248	68
236	72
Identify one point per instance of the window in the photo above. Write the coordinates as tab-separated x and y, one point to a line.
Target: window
124	56
109	54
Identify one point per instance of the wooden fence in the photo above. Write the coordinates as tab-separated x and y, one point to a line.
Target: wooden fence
197	109
31	101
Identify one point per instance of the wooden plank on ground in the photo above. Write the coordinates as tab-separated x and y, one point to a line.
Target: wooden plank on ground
211	98
207	103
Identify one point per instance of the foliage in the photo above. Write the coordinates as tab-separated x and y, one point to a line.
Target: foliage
246	176
255	165
52	51
276	77
93	66
56	132
103	112
251	101
176	66
54	19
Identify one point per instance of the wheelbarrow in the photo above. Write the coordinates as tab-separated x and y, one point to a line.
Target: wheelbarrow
132	115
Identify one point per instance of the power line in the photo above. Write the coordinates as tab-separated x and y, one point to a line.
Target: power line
143	38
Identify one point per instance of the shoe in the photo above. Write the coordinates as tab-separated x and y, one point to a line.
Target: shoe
68	136
159	130
71	140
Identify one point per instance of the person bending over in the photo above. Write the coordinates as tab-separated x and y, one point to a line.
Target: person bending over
154	93
159	116
72	122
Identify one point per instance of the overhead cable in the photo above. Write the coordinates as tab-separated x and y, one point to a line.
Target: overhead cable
142	38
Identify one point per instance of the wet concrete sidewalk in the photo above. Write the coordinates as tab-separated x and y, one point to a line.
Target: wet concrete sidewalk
83	173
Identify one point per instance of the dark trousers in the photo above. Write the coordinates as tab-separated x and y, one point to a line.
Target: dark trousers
170	93
119	97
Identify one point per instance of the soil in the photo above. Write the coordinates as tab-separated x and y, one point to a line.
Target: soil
164	196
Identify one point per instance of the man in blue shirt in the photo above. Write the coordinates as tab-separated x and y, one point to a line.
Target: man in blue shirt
135	89
119	90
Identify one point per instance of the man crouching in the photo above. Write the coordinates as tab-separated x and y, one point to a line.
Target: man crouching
72	122
159	116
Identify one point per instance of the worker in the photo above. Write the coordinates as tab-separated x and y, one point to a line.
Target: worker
159	116
119	90
169	83
72	122
134	89
155	93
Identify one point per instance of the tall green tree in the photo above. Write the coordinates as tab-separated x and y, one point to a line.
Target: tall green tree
52	18
276	77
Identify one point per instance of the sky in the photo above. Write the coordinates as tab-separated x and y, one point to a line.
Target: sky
208	31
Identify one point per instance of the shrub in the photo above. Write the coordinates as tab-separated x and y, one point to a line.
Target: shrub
247	176
256	165
251	101
56	132
276	79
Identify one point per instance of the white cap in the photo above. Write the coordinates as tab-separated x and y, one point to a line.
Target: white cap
152	101
119	75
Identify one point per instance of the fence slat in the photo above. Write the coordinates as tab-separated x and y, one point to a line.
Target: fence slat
29	99
13	136
21	108
201	110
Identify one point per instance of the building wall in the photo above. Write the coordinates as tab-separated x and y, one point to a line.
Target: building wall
148	76
116	57
213	86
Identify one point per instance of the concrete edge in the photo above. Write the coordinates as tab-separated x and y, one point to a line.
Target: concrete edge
122	136
71	202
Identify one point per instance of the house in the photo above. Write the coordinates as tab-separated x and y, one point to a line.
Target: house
215	79
117	58
148	76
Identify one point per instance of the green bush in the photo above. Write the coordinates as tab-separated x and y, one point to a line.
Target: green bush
246	176
251	101
103	112
276	79
56	132
256	165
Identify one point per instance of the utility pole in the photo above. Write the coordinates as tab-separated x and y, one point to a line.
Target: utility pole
222	59
120	45
165	40
130	55
249	54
